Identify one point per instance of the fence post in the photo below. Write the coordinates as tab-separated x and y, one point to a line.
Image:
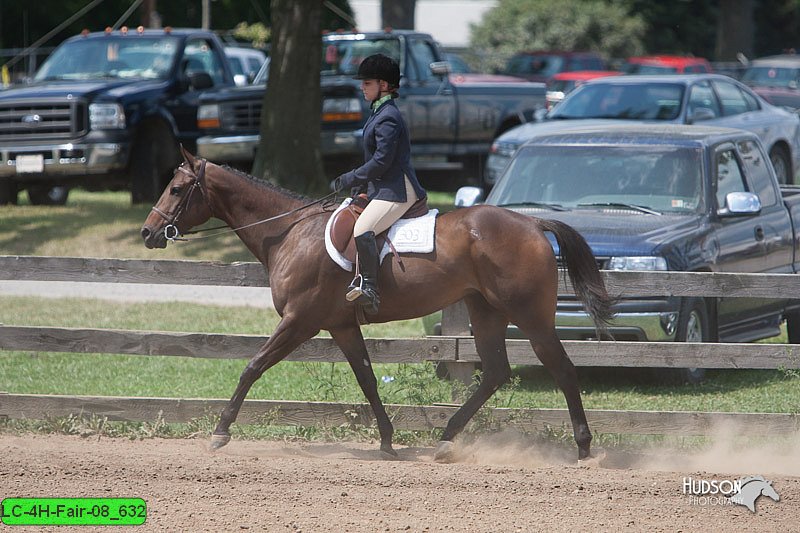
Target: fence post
455	322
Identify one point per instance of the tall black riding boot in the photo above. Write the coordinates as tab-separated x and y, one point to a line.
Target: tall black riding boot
364	288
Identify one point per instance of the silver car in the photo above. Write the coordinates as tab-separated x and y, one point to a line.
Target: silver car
708	99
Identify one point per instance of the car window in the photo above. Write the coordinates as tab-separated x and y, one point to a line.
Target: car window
423	57
765	76
763	184
342	56
701	96
236	65
543	64
253	64
199	56
751	100
732	100
650	101
729	177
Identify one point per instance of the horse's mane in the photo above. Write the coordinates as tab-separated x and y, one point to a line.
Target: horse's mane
268	185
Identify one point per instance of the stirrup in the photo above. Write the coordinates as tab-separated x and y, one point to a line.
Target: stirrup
355	290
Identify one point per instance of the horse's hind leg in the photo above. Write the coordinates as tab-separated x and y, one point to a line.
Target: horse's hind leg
351	342
284	340
489	329
551	353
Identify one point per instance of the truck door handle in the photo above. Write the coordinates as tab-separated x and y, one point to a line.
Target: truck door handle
759	231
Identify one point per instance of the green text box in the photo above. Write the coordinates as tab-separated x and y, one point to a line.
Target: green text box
73	511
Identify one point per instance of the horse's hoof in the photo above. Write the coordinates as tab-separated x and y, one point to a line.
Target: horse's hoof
445	452
388	453
218	441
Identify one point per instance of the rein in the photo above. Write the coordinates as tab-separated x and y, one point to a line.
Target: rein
171	231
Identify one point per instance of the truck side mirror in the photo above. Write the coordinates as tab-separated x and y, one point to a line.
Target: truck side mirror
468	196
740	204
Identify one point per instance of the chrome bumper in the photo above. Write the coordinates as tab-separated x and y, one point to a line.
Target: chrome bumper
225	148
66	159
654	327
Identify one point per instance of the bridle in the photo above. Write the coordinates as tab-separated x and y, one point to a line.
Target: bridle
171	231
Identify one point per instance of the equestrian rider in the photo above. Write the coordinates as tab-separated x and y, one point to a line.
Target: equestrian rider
387	174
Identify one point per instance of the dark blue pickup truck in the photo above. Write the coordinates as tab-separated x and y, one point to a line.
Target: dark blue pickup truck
107	110
665	197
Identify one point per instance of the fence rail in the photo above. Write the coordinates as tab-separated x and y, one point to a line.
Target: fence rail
449	350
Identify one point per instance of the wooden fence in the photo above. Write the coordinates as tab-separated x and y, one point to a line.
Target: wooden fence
452	350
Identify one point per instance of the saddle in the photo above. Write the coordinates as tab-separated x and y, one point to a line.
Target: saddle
345	220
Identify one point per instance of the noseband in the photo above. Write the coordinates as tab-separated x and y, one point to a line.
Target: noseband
171	231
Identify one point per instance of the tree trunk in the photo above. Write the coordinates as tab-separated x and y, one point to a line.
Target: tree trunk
734	29
398	14
289	151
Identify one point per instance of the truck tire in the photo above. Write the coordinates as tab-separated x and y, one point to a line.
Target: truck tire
154	157
693	326
8	191
46	195
782	164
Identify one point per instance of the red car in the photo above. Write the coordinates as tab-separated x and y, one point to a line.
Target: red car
664	64
562	83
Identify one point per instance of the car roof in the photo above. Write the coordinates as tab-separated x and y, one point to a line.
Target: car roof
638	79
783	60
133	33
585	74
669	60
241	51
641	134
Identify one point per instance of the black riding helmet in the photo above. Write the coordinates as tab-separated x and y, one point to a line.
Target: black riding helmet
379	67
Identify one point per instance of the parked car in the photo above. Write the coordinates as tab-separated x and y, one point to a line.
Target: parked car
108	110
710	99
245	63
541	65
564	82
666	64
662	197
776	79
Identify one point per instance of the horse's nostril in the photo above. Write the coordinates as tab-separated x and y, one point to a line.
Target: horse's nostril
145	233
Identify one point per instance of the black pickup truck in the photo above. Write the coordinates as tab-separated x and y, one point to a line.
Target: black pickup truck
663	197
106	111
453	118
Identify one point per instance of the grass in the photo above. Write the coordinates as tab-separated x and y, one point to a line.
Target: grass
106	225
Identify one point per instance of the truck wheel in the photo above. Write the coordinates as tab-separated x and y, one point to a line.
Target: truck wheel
46	195
693	326
155	155
782	164
8	191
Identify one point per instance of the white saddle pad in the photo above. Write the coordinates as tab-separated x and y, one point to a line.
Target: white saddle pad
408	235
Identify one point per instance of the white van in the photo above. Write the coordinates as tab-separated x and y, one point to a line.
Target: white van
244	62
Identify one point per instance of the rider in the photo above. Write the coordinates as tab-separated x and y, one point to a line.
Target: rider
390	180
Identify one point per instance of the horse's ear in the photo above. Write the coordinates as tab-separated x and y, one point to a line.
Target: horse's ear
189	158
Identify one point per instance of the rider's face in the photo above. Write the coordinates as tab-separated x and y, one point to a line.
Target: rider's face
372	89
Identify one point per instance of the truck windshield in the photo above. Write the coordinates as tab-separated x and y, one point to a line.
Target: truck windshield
659	179
341	55
639	101
137	56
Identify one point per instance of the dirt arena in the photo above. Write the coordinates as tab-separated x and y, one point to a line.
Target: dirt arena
501	484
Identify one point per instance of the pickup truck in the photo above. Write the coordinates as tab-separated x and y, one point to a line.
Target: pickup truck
452	120
107	110
662	197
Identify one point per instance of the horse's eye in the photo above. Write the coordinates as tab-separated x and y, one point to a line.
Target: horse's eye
175	191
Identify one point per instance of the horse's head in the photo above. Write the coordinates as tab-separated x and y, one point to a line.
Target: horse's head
182	206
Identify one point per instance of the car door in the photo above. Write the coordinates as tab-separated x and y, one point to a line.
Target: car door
429	100
740	239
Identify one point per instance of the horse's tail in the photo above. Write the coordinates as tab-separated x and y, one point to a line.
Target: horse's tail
583	272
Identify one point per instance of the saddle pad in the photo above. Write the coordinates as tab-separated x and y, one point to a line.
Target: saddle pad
410	235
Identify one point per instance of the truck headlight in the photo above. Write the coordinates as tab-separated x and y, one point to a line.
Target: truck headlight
637	263
106	117
208	116
341	110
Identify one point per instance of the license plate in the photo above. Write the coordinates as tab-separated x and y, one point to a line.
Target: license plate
30	163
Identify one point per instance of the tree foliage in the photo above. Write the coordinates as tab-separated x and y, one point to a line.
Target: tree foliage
515	25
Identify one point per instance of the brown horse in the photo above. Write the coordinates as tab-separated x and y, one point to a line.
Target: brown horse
499	262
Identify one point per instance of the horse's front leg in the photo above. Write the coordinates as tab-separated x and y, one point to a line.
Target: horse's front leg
286	338
351	342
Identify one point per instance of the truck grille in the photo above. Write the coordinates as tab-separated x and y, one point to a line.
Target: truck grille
241	116
43	120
